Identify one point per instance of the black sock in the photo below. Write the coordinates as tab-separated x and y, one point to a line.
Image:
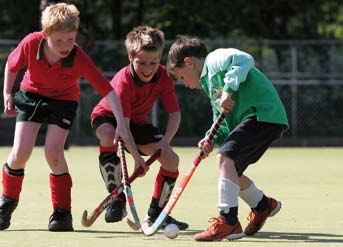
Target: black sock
262	205
231	216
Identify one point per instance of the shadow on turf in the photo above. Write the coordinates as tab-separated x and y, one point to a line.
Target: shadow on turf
308	237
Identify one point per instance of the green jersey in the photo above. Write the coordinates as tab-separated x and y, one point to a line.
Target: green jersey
234	71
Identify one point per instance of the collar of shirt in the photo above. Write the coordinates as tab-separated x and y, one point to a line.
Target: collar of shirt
66	62
138	81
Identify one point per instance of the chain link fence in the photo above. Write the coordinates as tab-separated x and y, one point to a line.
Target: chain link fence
307	74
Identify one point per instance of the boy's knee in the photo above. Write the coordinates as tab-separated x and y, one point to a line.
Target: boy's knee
20	156
170	160
106	133
222	160
52	154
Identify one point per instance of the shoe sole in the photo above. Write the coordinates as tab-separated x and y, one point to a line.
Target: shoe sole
54	228
236	236
231	237
276	209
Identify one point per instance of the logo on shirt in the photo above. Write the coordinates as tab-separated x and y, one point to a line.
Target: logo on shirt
64	77
216	93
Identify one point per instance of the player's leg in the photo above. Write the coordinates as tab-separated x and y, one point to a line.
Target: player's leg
13	170
247	143
261	205
226	225
147	137
60	116
60	179
109	165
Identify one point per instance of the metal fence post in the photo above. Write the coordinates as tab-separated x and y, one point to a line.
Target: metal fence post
294	91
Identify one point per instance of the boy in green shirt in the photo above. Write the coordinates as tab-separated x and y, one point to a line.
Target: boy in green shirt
255	118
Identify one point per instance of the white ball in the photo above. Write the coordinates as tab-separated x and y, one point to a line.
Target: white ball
171	231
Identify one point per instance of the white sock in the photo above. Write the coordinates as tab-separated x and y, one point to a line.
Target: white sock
252	195
228	194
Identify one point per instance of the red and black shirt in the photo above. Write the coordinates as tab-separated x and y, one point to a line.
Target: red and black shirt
137	98
59	81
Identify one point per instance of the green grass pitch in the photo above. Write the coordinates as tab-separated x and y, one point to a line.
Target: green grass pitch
308	181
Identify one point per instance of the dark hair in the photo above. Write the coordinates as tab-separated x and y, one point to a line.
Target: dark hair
185	46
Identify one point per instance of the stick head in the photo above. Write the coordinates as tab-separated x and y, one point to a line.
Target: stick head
133	225
84	220
88	220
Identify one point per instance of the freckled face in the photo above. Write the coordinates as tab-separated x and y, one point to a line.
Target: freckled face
146	64
60	43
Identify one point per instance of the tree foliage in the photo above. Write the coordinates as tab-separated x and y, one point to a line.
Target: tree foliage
220	19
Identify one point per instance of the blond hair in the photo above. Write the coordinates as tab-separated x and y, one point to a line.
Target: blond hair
144	38
60	17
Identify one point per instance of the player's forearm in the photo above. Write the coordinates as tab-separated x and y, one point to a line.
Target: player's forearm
114	103
9	79
131	146
172	126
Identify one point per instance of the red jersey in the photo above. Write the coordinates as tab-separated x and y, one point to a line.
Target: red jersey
137	98
59	81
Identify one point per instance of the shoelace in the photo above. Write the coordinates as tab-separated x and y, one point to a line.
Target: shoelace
215	222
251	216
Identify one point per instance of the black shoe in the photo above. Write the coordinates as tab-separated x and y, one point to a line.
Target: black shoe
116	211
170	220
61	221
7	206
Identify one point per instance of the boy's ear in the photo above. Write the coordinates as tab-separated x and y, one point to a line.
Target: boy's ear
45	36
188	61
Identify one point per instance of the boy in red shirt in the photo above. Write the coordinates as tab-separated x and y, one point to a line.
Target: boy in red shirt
138	86
49	92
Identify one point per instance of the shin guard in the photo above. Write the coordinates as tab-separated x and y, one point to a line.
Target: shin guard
60	186
110	169
12	181
164	184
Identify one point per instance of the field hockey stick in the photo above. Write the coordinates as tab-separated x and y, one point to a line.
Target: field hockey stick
135	223
88	220
150	230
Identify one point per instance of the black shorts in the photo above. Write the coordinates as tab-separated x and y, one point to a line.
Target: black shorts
36	108
247	143
142	133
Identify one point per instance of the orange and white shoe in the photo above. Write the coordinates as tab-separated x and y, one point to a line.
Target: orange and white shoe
257	219
220	230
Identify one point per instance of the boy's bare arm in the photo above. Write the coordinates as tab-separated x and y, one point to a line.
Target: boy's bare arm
9	80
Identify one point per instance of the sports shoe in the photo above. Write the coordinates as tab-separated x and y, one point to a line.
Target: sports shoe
116	211
61	221
257	219
148	220
170	220
220	230
7	206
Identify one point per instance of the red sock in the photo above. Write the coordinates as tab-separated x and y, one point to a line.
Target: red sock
60	186
12	181
162	177
111	149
